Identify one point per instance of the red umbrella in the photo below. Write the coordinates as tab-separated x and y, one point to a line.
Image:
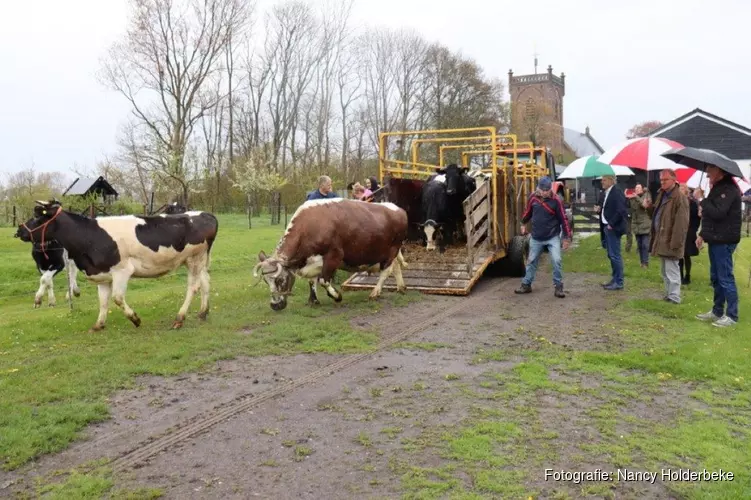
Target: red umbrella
642	153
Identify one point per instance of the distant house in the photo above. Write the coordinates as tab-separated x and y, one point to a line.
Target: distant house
99	187
700	129
581	144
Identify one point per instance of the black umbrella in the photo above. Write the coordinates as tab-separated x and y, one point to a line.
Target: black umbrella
700	159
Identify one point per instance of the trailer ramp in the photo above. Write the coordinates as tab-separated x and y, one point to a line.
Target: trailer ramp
449	276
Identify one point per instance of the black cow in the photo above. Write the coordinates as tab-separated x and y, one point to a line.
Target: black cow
111	250
51	258
443	212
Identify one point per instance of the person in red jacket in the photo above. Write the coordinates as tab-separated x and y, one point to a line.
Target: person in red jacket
549	222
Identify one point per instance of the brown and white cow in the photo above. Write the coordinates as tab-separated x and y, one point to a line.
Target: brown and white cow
111	250
330	234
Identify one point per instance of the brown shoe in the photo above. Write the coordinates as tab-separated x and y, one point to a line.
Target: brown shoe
559	292
523	289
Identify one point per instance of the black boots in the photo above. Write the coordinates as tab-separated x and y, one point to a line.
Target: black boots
528	289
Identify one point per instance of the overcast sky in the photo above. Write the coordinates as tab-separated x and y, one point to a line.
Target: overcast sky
625	62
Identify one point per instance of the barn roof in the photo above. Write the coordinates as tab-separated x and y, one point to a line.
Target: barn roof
581	144
84	185
701	129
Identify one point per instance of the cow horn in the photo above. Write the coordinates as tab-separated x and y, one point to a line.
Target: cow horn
278	271
255	269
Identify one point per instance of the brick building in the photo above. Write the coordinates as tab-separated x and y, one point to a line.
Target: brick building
537	115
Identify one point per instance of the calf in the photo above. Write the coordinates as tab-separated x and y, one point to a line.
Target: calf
51	258
111	250
330	234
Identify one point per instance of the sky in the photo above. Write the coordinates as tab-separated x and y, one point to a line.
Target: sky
625	62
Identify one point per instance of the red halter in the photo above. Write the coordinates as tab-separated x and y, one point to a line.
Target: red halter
43	227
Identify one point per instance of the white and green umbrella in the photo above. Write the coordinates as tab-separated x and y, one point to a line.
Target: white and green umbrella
589	166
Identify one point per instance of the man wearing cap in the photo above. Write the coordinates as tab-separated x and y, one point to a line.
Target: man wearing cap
613	217
548	217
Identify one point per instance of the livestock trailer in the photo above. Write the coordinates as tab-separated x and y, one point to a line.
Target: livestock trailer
492	212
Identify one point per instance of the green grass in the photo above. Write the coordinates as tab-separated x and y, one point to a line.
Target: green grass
671	349
505	443
55	377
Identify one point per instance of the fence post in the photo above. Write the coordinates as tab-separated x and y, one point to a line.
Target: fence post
285	215
14	216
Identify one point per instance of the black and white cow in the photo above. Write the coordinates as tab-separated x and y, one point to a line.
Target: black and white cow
111	250
51	258
442	209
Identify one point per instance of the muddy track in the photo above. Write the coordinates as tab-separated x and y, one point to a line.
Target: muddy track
186	430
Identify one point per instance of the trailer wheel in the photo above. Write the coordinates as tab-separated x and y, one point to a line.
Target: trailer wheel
515	262
517	256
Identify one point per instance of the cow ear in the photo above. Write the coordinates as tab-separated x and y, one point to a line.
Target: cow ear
261	256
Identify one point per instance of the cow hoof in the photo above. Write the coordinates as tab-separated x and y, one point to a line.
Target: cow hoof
315	302
203	315
135	320
401	290
177	325
374	296
37	305
51	304
77	293
96	328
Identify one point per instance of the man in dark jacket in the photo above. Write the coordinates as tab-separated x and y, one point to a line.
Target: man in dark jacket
721	229
549	221
614	218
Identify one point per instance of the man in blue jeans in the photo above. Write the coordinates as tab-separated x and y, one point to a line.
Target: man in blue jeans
721	223
614	220
548	217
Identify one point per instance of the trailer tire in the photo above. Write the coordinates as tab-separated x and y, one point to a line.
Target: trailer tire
518	251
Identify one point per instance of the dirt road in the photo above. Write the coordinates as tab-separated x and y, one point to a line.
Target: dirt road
460	407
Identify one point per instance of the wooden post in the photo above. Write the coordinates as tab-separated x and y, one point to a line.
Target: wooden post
91	211
285	215
14	216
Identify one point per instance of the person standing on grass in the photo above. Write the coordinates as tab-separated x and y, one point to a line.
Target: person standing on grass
549	221
721	221
613	221
639	202
691	249
670	216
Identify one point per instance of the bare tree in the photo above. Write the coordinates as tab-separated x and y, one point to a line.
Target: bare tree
169	51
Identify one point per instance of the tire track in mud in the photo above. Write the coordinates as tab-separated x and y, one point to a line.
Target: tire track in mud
201	423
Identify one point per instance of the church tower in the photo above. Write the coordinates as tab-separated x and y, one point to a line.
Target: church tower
537	107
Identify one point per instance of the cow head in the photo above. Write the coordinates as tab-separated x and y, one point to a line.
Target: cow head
433	232
279	278
454	178
41	226
175	208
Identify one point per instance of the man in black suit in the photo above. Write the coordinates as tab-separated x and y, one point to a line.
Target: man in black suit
614	220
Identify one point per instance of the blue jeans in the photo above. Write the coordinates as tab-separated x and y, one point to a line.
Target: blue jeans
723	280
536	247
642	243
613	246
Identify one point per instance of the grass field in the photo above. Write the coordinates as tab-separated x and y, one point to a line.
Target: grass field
55	376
